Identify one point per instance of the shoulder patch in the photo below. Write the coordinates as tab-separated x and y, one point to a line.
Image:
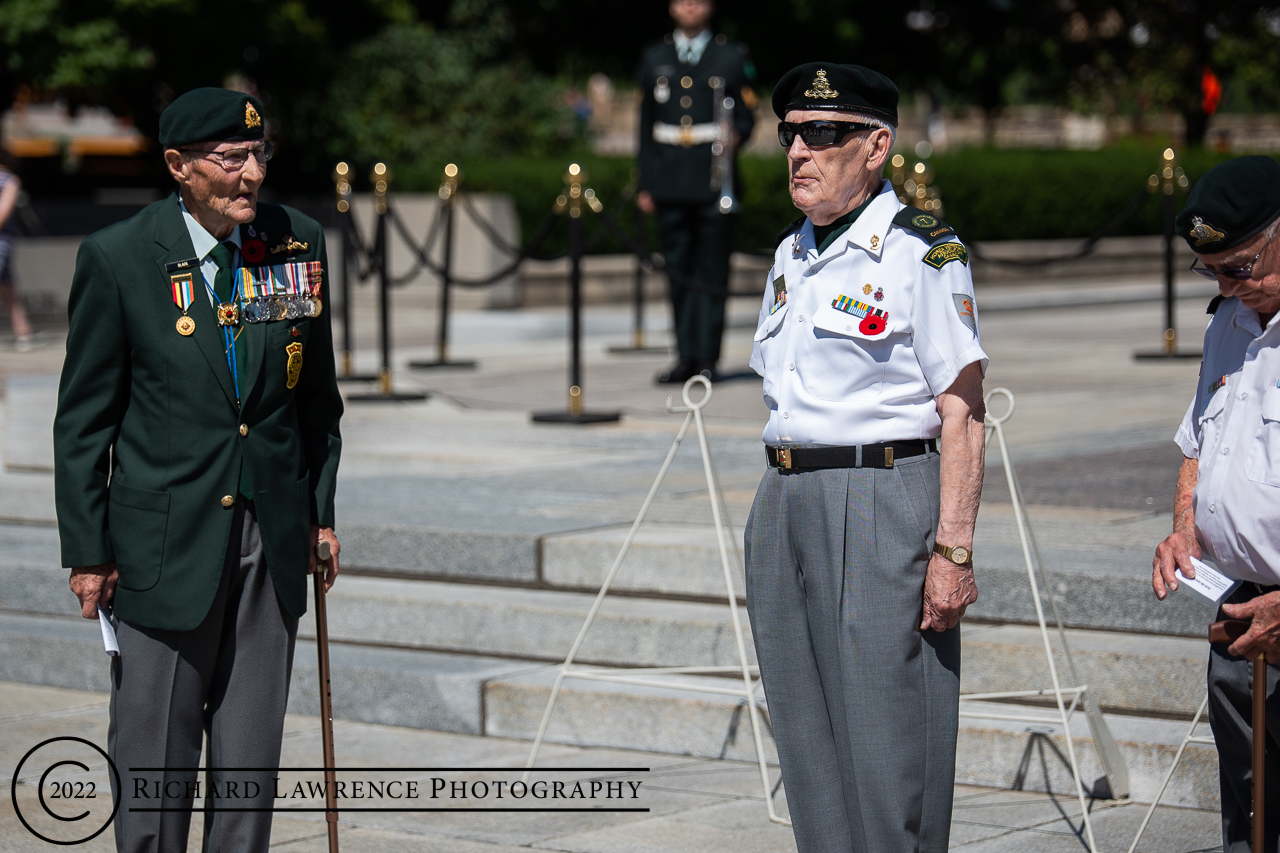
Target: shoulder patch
941	255
927	226
1214	303
787	232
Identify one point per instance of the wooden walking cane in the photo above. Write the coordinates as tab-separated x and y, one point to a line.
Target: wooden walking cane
1228	631
323	552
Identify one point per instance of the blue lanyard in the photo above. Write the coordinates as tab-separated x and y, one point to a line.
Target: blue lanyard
228	337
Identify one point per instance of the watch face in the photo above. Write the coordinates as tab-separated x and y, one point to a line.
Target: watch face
960	555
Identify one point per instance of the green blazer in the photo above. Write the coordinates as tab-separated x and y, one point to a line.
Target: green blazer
147	439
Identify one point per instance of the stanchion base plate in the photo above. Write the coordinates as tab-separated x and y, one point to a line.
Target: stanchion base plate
359	377
1154	355
639	350
428	365
393	397
581	418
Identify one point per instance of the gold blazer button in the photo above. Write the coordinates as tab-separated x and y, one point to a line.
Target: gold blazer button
228	500
244	429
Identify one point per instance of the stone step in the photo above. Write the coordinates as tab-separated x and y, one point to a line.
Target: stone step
478	694
1131	673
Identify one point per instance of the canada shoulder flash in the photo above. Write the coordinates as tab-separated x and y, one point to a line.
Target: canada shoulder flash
944	253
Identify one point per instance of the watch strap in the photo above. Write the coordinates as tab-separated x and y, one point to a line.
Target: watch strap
949	552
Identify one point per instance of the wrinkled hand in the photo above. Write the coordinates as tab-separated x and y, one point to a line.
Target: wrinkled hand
93	584
1173	553
1263	635
644	201
949	589
325	534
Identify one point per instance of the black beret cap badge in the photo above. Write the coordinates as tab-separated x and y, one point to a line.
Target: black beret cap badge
1203	232
821	88
251	117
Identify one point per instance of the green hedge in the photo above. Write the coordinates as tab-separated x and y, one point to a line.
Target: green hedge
987	194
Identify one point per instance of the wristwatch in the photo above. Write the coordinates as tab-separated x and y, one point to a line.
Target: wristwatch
957	554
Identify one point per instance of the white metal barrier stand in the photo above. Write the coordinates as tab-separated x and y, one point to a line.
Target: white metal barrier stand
1191	737
653	676
1109	756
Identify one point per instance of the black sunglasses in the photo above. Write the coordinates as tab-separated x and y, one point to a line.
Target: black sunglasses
818	132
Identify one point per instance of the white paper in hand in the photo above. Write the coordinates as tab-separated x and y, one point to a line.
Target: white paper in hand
109	644
1209	585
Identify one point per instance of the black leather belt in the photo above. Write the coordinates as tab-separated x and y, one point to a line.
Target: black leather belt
860	456
1250	590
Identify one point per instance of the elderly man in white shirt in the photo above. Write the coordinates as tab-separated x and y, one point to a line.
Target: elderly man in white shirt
858	545
1228	492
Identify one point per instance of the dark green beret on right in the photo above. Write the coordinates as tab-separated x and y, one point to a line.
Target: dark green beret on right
836	87
1231	204
210	115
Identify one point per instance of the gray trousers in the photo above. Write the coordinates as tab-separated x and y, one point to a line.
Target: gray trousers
1231	718
228	679
864	706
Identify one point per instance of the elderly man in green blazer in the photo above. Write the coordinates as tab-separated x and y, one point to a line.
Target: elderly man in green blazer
197	447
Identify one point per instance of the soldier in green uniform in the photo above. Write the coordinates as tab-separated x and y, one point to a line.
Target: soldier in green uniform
196	451
682	171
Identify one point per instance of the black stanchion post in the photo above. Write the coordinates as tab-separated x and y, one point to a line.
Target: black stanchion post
381	178
343	193
1170	176
637	296
448	191
573	198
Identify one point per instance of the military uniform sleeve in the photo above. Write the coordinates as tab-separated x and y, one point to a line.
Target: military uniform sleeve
644	157
1188	436
92	398
945	317
319	406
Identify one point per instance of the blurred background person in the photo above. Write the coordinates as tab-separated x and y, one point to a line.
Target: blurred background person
10	187
678	77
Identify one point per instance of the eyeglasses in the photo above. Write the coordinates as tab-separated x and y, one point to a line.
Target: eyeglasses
236	158
818	132
1238	273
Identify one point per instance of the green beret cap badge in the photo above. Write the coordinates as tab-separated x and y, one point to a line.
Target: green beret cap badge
1204	233
251	117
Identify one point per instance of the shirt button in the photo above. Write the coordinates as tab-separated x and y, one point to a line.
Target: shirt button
786	414
1213	507
1225	450
791	366
1244	395
800	319
227	500
244	429
848	328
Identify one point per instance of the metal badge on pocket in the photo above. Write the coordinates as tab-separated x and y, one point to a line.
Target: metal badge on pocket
294	367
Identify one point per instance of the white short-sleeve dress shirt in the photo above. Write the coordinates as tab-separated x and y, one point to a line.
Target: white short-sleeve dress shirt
855	344
1233	428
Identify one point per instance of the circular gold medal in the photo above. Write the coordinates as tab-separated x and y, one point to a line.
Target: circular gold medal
228	314
185	325
315	300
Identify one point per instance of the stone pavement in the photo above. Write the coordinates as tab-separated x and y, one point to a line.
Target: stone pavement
693	805
471	531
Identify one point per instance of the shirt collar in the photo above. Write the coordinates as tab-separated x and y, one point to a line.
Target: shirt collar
693	46
202	240
871	228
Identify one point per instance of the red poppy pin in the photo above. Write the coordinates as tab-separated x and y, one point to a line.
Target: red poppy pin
873	323
254	250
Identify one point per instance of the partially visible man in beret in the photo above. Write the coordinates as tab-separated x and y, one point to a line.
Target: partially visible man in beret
196	450
1228	493
858	544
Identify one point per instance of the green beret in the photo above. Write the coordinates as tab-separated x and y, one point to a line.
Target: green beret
210	115
843	88
1231	204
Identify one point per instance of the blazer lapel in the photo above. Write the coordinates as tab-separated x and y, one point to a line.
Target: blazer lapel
254	337
174	239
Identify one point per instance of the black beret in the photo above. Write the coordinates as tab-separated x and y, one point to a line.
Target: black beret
1229	205
210	115
830	86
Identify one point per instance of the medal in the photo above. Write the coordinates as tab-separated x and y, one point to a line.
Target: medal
183	291
228	314
293	369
